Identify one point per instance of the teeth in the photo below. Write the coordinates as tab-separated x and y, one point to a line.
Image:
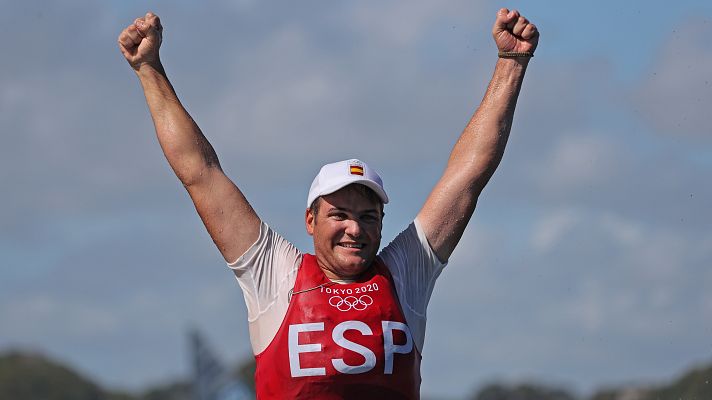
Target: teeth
351	245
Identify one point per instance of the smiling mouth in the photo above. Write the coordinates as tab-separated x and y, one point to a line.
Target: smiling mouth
352	245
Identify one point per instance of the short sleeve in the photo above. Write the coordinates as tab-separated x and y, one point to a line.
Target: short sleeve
266	272
415	268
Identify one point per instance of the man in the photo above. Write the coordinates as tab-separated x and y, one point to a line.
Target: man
348	321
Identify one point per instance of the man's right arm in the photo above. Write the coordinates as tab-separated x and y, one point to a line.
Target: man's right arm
230	220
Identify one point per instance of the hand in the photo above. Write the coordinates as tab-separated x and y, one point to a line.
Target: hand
512	32
140	41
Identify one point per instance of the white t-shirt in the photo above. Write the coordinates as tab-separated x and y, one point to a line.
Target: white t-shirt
268	269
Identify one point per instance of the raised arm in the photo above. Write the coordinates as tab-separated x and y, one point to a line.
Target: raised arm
228	217
480	147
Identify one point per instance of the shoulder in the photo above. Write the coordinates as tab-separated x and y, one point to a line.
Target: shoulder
270	247
410	246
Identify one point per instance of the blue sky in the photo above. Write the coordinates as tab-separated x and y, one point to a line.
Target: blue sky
587	262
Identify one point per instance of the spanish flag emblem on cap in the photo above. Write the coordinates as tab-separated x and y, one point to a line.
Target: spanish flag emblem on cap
334	176
356	169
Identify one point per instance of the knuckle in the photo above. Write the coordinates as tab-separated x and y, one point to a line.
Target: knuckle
154	21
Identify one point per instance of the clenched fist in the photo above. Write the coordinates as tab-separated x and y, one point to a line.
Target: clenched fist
512	32
140	41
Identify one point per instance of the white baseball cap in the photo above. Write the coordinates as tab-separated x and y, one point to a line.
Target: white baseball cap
334	176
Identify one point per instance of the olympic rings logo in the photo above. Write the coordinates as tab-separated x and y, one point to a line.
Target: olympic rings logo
351	302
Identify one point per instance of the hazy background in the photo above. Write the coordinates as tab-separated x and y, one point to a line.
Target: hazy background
589	258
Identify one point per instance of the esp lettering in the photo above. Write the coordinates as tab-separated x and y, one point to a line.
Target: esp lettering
337	335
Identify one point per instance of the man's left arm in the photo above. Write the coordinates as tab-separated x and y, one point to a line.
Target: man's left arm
480	147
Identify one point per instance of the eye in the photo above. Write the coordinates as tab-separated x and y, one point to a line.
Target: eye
338	216
370	218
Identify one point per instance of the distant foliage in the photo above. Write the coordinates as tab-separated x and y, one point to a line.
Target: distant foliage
245	373
522	392
172	391
623	394
694	385
26	376
29	376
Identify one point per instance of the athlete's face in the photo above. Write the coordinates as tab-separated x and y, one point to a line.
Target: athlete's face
346	232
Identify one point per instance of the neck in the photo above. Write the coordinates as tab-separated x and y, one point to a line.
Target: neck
340	278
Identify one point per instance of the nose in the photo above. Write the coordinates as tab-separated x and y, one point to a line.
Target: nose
353	228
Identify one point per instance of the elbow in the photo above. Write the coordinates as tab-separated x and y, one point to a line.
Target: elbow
190	175
474	175
192	170
193	177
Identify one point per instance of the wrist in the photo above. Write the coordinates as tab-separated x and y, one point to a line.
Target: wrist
149	68
513	64
518	57
515	54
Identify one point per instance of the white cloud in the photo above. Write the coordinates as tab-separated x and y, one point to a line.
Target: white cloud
549	230
622	230
577	160
647	272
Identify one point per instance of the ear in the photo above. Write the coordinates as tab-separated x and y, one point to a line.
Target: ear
309	220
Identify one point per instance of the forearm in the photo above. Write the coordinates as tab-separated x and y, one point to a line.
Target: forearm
480	148
187	150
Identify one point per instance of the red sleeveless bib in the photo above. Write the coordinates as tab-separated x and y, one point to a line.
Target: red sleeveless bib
340	341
